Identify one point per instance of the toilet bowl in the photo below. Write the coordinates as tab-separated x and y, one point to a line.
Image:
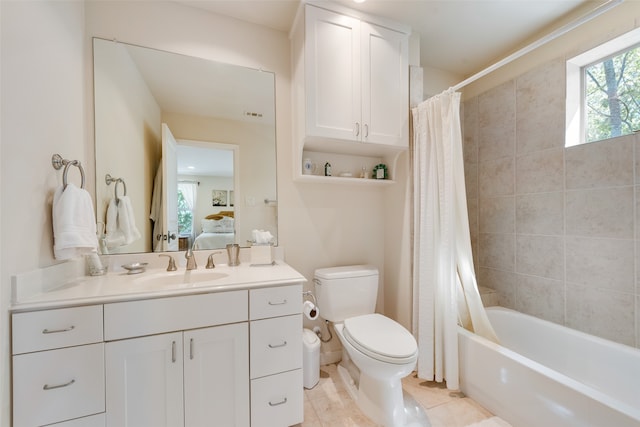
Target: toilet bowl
377	351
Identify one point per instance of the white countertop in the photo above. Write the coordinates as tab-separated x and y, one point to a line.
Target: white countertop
153	283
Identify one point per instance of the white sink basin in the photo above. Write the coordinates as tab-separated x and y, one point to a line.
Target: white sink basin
177	278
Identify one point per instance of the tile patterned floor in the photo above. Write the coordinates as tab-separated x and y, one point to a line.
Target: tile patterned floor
328	404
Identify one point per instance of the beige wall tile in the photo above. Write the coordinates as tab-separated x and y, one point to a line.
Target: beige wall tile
470	130
497	177
497	215
496	122
541	213
601	263
497	251
540	297
471	180
540	256
503	282
540	171
540	108
603	313
600	212
600	164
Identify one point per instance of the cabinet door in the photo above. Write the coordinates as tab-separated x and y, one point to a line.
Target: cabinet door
385	86
216	376
332	67
144	381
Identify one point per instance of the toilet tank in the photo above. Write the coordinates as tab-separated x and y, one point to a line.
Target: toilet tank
344	292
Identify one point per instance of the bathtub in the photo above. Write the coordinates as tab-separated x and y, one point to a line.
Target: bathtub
546	375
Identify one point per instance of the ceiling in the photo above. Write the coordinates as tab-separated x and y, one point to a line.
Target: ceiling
458	36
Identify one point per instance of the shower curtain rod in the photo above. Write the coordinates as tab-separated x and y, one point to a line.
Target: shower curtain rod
604	7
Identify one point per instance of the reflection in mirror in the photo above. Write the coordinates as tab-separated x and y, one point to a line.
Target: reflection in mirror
219	111
206	194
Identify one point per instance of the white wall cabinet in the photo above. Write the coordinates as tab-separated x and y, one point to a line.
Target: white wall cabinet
357	79
351	85
185	378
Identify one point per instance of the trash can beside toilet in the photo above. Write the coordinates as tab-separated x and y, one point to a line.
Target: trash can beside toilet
310	359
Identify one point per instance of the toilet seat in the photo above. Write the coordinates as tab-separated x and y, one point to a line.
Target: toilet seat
381	338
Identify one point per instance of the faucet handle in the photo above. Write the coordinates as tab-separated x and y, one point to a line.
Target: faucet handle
210	263
172	263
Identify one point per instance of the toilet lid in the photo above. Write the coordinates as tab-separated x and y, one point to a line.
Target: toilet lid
380	337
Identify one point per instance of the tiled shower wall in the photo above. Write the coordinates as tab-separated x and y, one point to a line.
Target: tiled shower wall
553	229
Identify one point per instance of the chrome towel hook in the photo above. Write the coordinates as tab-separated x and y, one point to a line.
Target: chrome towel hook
57	161
109	180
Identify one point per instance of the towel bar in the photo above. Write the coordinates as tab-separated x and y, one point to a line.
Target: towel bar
57	161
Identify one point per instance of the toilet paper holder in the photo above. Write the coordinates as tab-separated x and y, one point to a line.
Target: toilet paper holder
310	308
310	294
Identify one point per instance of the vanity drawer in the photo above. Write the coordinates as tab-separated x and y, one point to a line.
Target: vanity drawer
58	385
65	327
276	345
159	315
277	400
273	302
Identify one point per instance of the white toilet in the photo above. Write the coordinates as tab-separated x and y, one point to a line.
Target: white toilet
377	351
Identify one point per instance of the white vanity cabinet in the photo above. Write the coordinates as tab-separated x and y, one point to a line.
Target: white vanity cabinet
102	353
353	78
276	356
195	376
58	367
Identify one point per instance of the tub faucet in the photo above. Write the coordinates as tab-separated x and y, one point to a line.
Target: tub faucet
191	260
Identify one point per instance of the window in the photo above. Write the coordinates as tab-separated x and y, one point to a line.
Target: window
603	91
187	192
185	216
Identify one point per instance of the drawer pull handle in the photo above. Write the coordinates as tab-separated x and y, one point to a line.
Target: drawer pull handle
53	387
284	301
55	331
282	402
278	345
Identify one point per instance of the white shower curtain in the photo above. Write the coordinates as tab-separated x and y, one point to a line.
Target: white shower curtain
445	291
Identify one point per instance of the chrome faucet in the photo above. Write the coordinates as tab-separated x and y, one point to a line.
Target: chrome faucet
172	263
191	260
210	263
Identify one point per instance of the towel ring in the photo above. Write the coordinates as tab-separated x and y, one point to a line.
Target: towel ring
109	180
57	161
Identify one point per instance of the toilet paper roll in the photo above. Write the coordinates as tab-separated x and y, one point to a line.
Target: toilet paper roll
310	310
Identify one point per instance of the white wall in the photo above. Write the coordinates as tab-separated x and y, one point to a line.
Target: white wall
43	110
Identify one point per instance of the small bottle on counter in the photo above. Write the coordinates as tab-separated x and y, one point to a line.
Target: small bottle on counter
327	169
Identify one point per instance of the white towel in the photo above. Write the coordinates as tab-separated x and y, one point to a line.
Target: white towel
74	223
127	220
121	227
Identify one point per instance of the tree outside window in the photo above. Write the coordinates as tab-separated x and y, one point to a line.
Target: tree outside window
612	96
185	216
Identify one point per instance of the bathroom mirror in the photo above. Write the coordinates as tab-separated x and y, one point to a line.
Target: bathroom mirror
220	119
